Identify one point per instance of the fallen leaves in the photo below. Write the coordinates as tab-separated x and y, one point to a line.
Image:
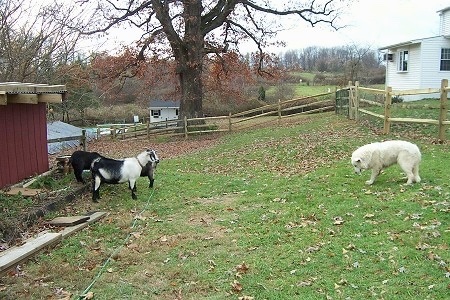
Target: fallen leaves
338	220
88	296
236	286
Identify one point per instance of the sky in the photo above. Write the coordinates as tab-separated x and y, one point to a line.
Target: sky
374	23
369	23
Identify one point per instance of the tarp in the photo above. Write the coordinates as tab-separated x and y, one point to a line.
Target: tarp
58	129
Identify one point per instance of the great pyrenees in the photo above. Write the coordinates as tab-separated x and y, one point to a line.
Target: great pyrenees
377	156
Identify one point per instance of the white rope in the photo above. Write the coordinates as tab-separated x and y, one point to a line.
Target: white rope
105	264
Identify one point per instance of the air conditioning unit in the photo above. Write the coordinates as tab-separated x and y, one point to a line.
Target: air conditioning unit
388	56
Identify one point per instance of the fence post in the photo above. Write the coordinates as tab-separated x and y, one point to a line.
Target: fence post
279	111
443	110
229	121
185	127
387	110
334	99
148	129
98	132
351	114
83	139
113	133
356	95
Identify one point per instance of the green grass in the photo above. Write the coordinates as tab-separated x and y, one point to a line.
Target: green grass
271	213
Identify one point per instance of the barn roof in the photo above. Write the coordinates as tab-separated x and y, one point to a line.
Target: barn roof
30	93
58	130
164	104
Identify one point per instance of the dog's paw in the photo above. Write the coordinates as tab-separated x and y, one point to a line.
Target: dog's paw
369	182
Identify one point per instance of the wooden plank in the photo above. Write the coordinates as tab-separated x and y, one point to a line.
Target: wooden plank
411	120
50	98
68	221
15	255
22	98
92	218
27	192
368	112
415	92
33	88
371	90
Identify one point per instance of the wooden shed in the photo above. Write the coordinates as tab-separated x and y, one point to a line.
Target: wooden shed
162	110
23	129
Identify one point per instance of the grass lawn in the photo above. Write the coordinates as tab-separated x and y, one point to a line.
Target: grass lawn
269	213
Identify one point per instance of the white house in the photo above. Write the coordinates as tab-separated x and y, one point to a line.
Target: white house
161	110
420	63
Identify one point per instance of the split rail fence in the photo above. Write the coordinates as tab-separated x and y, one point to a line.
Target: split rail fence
190	126
351	102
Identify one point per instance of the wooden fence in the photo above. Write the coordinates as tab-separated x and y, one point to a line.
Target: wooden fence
356	106
187	126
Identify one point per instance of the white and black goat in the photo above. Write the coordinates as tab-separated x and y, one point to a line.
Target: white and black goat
107	170
82	160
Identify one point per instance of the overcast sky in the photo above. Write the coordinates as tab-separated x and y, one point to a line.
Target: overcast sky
373	23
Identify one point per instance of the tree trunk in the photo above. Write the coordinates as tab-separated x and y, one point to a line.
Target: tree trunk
190	61
191	90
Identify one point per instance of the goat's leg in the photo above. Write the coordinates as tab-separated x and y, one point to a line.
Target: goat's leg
79	175
96	188
132	186
151	178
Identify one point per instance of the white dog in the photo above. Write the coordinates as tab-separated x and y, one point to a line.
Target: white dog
377	156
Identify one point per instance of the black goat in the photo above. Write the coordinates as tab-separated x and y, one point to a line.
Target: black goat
82	160
149	171
107	170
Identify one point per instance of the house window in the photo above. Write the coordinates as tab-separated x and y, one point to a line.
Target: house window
156	113
445	59
403	61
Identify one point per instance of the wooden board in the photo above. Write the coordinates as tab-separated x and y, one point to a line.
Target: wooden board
92	218
24	191
15	255
68	221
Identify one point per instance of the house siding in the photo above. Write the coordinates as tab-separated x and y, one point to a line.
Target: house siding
410	79
423	67
444	24
424	61
24	142
167	113
431	75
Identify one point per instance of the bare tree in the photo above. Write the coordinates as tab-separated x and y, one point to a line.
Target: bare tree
192	29
32	44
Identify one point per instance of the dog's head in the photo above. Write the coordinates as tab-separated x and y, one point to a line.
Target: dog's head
358	165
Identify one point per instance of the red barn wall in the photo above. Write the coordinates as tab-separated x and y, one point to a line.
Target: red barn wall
23	142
